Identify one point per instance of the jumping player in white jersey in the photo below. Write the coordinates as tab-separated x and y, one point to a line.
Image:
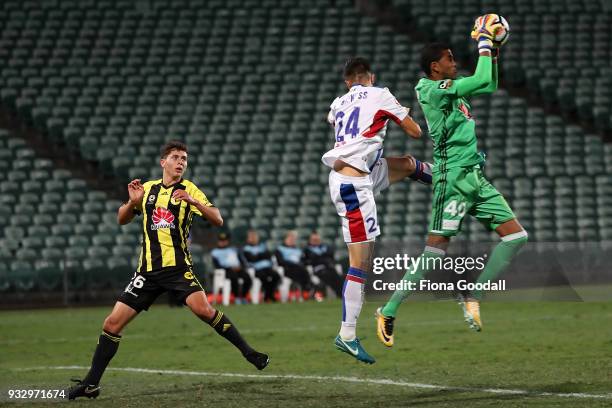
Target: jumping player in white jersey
359	172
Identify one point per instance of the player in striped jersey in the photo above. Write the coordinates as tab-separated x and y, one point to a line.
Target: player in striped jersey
167	206
358	173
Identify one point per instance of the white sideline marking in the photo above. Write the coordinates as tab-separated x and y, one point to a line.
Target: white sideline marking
375	381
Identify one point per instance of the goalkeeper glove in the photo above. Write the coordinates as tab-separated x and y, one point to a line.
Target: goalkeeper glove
485	28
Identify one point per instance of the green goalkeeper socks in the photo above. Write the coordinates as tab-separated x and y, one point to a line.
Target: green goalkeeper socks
500	258
427	262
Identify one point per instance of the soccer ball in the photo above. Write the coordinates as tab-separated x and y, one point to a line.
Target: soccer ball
502	36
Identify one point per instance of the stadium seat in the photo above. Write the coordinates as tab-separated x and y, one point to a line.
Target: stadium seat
5	282
120	271
22	275
49	274
95	270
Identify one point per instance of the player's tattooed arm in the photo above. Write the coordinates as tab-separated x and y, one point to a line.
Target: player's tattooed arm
212	214
125	214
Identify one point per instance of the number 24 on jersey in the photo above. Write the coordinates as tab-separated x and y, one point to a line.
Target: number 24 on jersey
351	127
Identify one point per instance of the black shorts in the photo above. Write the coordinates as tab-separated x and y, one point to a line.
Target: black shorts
145	287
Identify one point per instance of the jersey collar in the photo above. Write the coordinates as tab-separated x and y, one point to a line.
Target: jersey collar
171	185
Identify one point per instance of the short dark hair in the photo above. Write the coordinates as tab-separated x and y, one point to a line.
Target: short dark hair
356	67
170	146
432	52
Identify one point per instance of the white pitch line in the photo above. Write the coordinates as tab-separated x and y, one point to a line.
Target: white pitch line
374	381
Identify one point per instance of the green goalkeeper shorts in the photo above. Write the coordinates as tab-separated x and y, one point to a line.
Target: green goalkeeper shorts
461	191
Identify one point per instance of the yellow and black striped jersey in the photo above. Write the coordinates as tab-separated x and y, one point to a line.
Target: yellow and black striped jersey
165	225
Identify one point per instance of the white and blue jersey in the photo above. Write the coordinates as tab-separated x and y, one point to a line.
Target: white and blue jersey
360	120
226	258
258	256
290	254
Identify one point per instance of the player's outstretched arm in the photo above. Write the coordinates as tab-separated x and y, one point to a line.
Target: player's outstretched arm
125	214
411	127
482	81
492	87
482	78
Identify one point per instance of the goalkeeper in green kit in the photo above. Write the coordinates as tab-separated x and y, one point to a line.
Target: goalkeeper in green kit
459	186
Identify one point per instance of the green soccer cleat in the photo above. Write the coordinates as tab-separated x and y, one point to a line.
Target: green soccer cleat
355	349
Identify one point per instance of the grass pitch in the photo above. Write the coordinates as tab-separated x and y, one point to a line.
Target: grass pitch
528	355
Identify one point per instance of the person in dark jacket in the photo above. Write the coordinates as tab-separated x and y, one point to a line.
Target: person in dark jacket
321	257
291	258
259	258
228	258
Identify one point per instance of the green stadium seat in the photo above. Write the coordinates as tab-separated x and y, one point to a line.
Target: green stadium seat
126	240
21	220
22	275
38	231
54	186
5	282
32	186
48	208
84	229
35	243
49	274
55	242
98	252
106	228
61	230
103	240
92	219
125	251
9	188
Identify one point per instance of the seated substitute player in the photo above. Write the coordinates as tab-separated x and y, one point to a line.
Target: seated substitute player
259	258
321	257
291	258
228	258
167	206
358	173
459	186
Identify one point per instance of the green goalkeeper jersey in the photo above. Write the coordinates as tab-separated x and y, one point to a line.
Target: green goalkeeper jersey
448	117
